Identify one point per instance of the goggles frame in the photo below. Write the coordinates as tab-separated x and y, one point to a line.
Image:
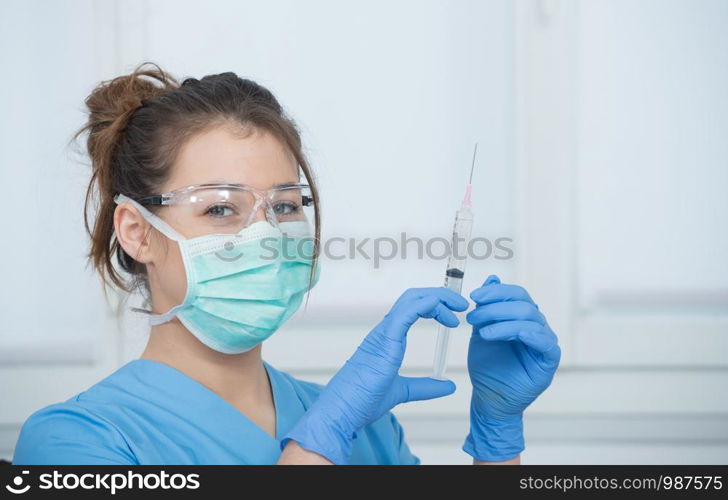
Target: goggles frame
261	196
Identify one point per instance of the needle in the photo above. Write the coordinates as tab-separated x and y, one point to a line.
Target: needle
473	165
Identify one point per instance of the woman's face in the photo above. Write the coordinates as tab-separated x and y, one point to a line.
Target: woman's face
218	155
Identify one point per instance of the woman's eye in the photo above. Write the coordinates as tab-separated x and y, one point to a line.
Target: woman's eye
286	208
219	211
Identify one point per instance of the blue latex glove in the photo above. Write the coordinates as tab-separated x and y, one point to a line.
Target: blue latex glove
368	385
512	358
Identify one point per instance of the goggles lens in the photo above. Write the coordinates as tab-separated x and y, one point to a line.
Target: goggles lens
227	210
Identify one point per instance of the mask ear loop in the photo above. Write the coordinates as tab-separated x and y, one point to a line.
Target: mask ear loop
154	220
169	232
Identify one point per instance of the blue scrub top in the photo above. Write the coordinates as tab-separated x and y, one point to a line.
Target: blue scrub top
147	412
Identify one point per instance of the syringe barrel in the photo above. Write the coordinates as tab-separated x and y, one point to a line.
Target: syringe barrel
460	238
453	281
455	284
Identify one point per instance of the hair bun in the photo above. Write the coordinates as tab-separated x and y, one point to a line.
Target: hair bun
117	99
112	103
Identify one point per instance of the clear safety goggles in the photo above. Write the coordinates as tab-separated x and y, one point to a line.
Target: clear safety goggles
228	208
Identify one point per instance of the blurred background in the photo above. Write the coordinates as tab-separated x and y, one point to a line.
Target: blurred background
603	154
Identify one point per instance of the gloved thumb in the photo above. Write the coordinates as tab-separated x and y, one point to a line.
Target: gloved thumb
421	388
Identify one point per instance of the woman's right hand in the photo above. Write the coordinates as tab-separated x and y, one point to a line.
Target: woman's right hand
369	385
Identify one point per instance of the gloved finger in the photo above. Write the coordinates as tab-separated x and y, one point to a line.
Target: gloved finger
450	298
499	292
427	306
421	388
532	334
492	279
553	355
505	311
443	315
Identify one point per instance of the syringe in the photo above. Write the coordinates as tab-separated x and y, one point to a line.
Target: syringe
455	269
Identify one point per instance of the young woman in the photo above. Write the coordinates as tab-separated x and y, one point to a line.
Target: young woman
204	202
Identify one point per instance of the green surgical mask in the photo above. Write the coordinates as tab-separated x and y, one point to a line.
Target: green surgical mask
240	287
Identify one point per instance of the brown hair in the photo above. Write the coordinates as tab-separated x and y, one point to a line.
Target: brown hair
136	127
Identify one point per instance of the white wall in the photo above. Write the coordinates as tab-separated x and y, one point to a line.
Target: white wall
600	152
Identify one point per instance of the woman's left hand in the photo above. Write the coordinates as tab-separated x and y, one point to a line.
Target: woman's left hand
512	358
